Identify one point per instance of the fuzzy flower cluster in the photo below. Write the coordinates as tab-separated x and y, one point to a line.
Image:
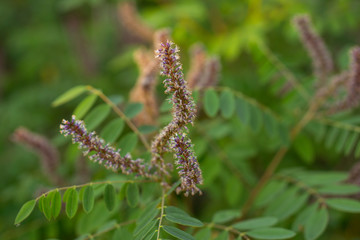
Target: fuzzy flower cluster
322	61
99	151
190	173
184	112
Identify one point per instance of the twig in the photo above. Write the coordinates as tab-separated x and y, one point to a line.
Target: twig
161	213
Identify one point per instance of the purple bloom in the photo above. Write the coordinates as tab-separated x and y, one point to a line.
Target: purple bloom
101	152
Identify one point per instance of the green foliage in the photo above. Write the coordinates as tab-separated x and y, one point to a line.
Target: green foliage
88	199
25	211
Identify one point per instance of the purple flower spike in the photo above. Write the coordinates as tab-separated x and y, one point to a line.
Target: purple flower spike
101	152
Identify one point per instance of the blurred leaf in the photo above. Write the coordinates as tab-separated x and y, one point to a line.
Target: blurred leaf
269	192
256	118
344	205
322	178
316	224
260	222
204	233
25	211
177	215
303	216
148	214
128	143
211	102
112	130
225	216
224	235
133	109
132	194
88	199
227	104
68	95
243	110
122	233
110	196
146	229
271	233
84	106
71	201
343	189
178	233
47	205
304	148
96	116
146	129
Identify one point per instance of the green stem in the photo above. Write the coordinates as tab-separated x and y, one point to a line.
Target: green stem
162	207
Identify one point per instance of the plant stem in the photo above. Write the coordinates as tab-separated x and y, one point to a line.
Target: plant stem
161	213
309	115
121	114
92	236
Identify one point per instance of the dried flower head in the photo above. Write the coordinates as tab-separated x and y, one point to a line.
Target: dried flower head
128	15
49	155
322	61
184	112
99	151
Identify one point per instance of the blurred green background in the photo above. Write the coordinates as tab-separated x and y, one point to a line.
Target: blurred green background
46	47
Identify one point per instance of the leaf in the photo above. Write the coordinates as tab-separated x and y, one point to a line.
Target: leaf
269	124
225	216
304	148
303	216
178	233
350	143
146	229
47	205
132	194
25	211
128	143
112	130
122	233
88	199
344	205
286	204
71	201
166	106
133	109
256	118
146	129
84	106
227	104
211	102
41	203
331	137
271	233
97	116
322	178
316	224
223	236
56	204
233	190
243	111
68	95
177	215
269	192
149	213
342	141
110	196
260	222
202	234
343	189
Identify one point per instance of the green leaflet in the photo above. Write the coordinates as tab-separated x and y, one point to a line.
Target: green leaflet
211	102
304	148
68	95
316	224
177	215
96	116
343	189
269	192
331	137
225	216
178	233
132	194
202	234
25	211
88	199
84	106
133	109
260	222
256	118
344	205
223	236
145	230
71	199
271	233
128	143
321	178
303	216
148	214
110	196
243	110
227	104
56	204
112	130
351	143
47	205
